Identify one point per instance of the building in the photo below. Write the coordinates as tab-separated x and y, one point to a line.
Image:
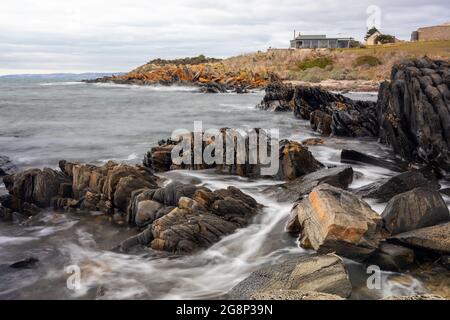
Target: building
319	41
372	40
440	32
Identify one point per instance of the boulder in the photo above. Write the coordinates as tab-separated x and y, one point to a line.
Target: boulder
418	208
415	297
414	111
341	177
6	166
385	189
356	157
392	257
278	97
335	220
325	274
434	239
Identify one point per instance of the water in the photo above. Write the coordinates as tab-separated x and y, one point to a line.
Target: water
44	122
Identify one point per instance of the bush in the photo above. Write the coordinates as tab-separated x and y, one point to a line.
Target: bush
309	63
385	38
367	60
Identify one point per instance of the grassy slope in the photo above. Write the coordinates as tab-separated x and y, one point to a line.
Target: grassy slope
288	64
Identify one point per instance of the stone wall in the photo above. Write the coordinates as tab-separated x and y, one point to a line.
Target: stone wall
434	33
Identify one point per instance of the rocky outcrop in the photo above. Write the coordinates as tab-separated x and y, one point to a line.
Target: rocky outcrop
324	274
6	166
329	113
210	77
414	111
185	218
418	208
335	220
294	190
107	188
385	189
294	295
435	238
295	160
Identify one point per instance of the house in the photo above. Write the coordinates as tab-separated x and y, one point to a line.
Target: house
319	41
372	40
433	33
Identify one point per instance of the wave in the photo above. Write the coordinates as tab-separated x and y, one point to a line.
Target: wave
160	88
66	83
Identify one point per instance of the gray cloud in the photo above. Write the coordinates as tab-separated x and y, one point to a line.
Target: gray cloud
117	35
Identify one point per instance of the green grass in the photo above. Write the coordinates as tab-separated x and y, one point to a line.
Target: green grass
309	63
366	61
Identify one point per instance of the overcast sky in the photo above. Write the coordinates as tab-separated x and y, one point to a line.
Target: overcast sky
116	35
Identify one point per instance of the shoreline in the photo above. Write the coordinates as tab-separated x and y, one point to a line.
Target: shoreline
360	86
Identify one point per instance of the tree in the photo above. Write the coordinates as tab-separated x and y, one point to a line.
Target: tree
385	38
370	32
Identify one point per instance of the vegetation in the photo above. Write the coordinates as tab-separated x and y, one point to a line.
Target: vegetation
370	32
385	38
367	61
184	61
320	62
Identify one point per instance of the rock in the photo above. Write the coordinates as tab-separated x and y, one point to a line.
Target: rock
294	295
126	186
416	297
186	218
434	239
294	159
35	186
147	212
317	273
278	97
392	257
6	166
385	189
26	263
445	261
445	191
414	111
335	220
294	190
321	122
418	208
355	157
313	142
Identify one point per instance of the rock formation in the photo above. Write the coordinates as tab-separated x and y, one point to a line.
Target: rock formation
414	111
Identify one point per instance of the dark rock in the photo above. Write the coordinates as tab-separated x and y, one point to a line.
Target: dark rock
434	239
355	157
414	111
26	263
392	257
445	191
445	261
418	208
294	190
321	122
316	273
385	189
278	97
416	297
335	220
6	166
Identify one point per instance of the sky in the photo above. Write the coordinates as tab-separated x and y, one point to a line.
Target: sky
49	36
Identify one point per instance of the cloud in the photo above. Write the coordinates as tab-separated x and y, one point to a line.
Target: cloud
117	35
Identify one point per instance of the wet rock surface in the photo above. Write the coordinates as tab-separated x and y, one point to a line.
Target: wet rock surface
392	257
186	218
324	274
335	220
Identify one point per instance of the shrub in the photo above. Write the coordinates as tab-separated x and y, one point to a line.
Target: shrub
367	60
385	38
320	62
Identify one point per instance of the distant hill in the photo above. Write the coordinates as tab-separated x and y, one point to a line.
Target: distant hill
56	76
